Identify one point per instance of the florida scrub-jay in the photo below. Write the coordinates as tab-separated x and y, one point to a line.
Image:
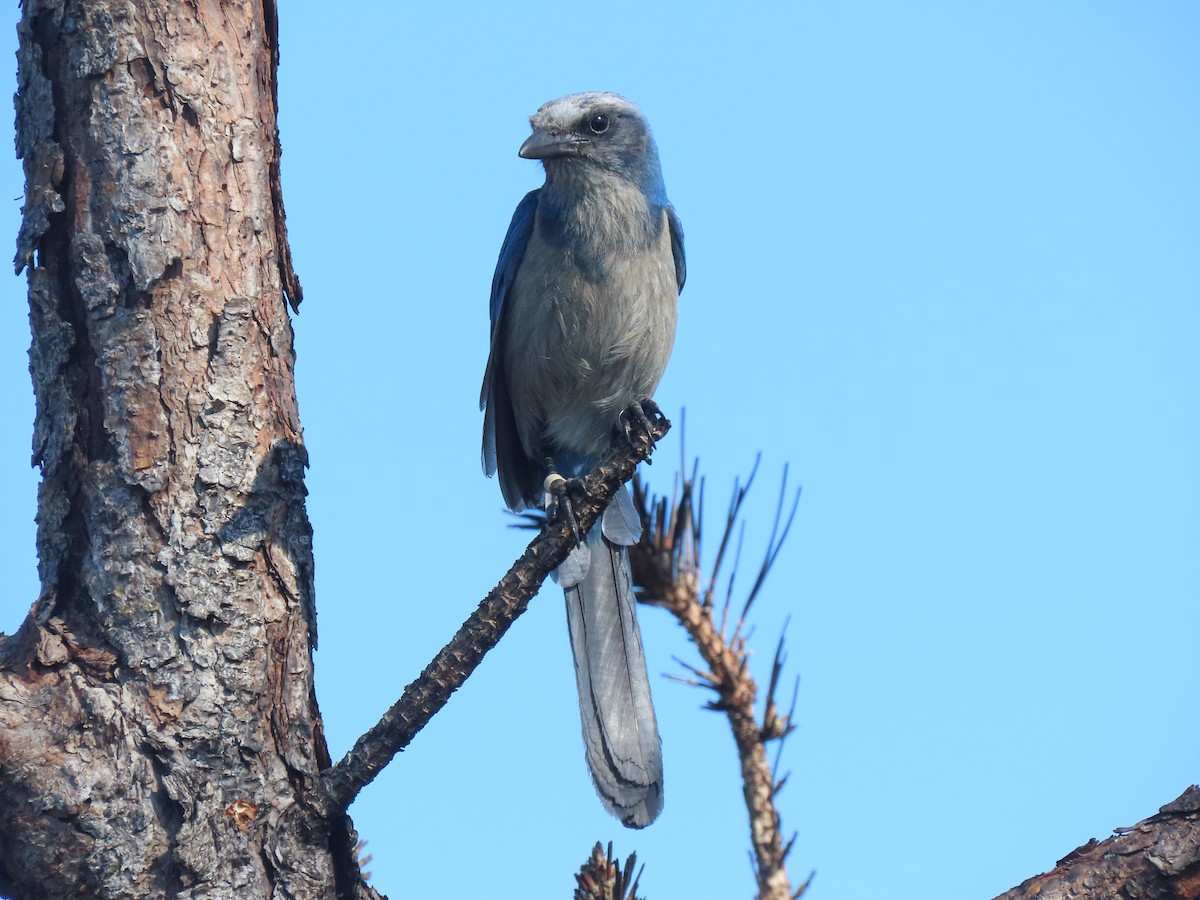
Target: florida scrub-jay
583	311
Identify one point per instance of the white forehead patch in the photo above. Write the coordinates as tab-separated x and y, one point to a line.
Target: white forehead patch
566	111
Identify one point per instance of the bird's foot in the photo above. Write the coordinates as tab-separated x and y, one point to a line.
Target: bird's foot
637	420
558	497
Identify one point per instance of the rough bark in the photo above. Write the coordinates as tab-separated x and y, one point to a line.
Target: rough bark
158	726
1156	859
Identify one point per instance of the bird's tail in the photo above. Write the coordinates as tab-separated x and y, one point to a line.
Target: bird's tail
619	728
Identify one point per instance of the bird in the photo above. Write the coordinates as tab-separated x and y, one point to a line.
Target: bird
583	312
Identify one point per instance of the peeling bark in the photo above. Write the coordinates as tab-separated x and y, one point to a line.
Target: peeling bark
158	726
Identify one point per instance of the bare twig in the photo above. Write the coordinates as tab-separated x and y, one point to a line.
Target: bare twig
340	784
666	566
775	542
735	509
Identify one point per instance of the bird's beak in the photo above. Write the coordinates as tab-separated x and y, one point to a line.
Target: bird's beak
543	144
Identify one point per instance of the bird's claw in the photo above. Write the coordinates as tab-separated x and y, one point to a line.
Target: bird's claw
637	420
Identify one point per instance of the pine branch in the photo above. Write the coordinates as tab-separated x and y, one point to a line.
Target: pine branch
426	695
666	566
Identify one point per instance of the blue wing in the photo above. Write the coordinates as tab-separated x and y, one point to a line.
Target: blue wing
501	446
676	246
512	251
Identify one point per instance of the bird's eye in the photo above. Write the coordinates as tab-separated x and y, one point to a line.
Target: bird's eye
598	124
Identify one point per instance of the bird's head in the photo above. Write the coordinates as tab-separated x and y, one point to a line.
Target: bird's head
597	128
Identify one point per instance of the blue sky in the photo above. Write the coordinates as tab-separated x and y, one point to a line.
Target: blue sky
943	260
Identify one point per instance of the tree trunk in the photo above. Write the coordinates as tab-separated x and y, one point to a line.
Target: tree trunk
158	726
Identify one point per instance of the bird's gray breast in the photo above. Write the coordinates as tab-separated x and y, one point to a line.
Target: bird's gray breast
592	320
